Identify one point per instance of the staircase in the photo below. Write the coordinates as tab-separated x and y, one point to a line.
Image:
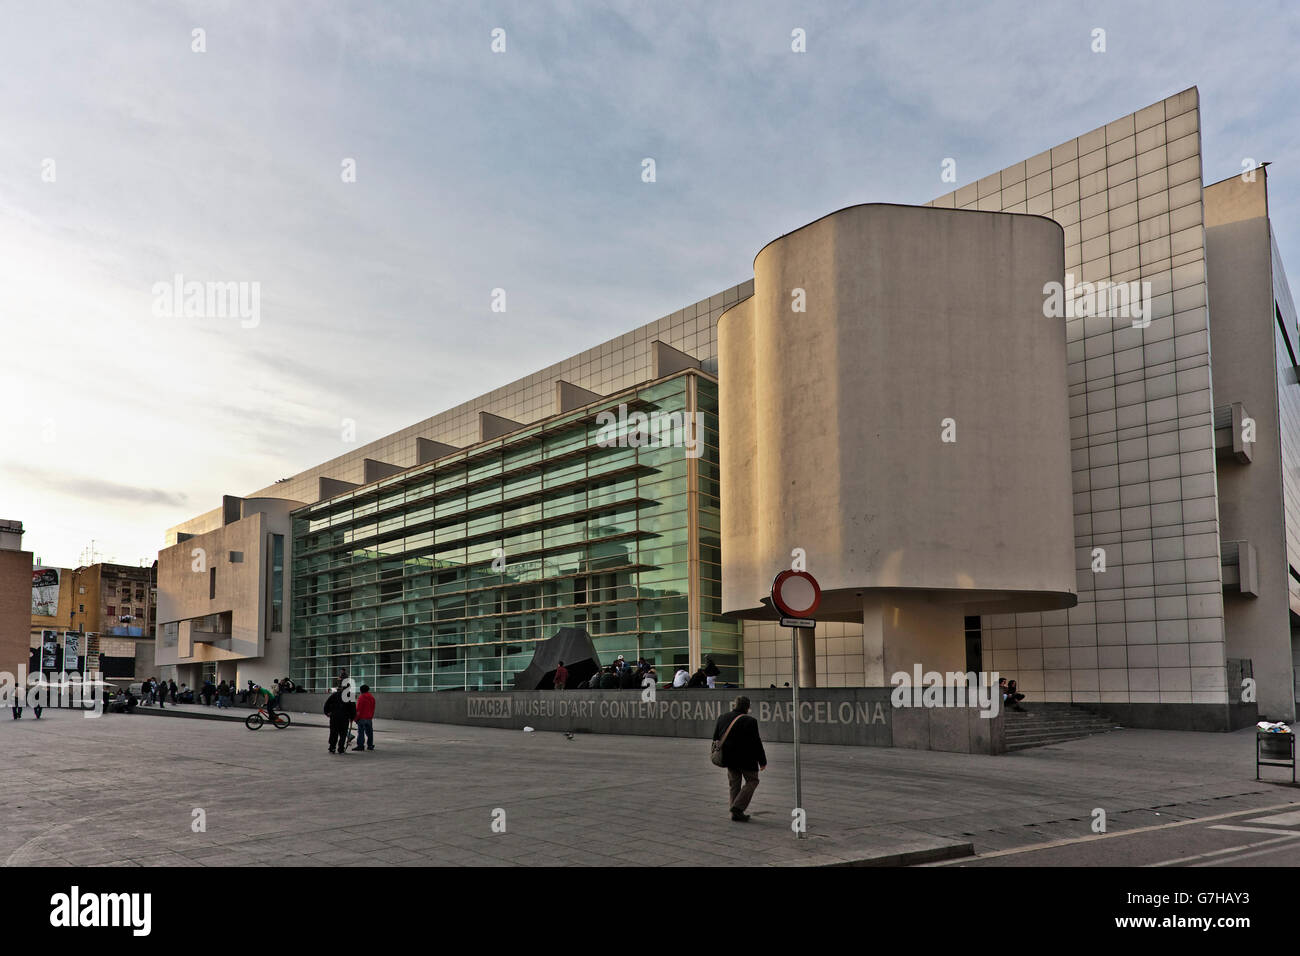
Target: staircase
1044	724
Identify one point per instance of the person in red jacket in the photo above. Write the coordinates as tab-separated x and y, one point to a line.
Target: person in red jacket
365	719
561	676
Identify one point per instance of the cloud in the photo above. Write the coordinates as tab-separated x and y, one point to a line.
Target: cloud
94	489
475	171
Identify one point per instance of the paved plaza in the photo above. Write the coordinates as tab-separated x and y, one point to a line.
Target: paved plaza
124	790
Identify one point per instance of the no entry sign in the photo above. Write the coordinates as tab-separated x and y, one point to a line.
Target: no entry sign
796	593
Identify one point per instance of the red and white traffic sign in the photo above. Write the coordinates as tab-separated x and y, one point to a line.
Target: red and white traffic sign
796	593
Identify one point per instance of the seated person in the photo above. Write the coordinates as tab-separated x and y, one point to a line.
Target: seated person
1014	697
698	679
609	680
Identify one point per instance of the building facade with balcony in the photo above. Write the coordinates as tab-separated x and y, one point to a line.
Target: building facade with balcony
111	609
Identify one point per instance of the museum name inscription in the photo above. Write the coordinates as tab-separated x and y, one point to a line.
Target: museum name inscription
810	711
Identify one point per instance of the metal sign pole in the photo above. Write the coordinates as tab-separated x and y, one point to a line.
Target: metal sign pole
794	686
796	594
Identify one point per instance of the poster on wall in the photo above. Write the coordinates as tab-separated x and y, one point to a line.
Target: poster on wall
71	650
92	653
49	650
45	591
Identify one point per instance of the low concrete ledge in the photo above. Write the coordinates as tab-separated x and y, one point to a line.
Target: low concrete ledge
854	716
1213	718
191	714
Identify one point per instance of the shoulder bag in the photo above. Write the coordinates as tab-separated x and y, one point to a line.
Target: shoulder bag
716	754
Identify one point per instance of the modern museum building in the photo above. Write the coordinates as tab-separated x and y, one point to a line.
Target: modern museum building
1047	425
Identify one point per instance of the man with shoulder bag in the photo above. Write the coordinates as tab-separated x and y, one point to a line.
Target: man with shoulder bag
738	747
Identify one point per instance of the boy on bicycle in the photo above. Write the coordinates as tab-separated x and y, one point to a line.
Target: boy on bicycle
266	699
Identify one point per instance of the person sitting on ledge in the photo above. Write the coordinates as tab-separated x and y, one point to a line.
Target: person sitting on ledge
609	680
1014	697
698	679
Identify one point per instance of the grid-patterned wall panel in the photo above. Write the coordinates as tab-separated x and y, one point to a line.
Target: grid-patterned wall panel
1149	629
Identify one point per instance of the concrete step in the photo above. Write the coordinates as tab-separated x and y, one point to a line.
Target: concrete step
1014	719
1051	731
1041	724
1050	725
1051	728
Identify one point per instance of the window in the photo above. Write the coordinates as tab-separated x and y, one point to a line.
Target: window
112	610
974	644
277	582
212	583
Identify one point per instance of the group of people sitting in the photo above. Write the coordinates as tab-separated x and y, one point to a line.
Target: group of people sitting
225	694
1011	696
621	675
705	676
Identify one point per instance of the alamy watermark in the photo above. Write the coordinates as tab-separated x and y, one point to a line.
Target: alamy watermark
655	430
947	689
56	689
1131	300
208	300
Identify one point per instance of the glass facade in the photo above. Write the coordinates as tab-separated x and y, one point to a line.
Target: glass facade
445	576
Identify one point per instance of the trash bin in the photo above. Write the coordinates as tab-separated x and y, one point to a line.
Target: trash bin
1275	745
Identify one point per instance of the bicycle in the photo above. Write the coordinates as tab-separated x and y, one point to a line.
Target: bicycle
278	719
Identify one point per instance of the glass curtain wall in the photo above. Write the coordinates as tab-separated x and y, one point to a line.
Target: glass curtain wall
445	576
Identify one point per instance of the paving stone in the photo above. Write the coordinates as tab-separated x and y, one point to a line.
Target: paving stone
276	799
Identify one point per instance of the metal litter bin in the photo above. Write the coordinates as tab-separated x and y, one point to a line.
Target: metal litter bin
1274	750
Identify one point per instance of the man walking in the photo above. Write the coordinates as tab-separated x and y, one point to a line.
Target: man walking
561	676
742	755
365	719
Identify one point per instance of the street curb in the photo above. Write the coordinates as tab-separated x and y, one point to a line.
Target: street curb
930	854
191	715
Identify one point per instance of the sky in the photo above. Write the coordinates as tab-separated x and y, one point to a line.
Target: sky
373	171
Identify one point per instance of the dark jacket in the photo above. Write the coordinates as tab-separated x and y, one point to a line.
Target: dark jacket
697	680
340	711
608	681
711	669
743	749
